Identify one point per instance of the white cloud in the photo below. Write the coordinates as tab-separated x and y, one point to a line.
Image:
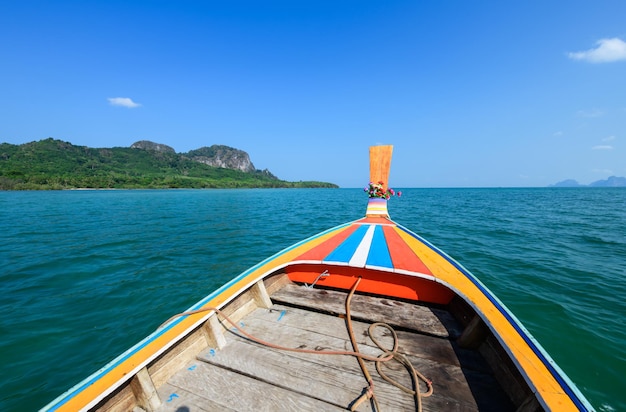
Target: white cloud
608	139
590	113
122	101
603	171
558	134
602	147
606	50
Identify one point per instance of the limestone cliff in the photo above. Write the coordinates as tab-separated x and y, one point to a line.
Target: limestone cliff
222	156
148	145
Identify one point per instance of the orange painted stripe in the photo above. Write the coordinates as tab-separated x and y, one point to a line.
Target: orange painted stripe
321	251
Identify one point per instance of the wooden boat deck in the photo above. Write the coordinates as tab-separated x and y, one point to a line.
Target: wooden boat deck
268	379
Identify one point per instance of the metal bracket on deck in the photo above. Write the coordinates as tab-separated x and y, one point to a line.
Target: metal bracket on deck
321	275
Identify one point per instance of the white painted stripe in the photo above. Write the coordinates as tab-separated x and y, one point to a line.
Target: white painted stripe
360	255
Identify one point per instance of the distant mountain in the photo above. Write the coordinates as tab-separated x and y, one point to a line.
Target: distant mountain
613	181
55	164
216	156
567	183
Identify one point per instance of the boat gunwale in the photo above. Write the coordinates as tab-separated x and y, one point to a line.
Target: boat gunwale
134	350
557	373
273	264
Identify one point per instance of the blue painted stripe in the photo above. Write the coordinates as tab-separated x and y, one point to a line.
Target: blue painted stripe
582	404
359	258
379	251
344	252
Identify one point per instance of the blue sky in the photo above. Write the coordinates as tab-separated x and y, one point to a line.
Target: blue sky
470	93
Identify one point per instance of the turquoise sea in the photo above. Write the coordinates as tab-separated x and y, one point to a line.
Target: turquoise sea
86	274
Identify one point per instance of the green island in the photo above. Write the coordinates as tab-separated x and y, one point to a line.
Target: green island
52	164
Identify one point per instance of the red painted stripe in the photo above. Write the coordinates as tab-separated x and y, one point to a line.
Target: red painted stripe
402	255
373	281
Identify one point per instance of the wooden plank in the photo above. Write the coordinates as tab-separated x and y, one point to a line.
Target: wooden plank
474	334
120	401
240	306
332	374
442	351
260	295
314	330
335	380
144	390
428	347
399	314
174	359
203	387
215	332
177	399
504	370
276	282
243	375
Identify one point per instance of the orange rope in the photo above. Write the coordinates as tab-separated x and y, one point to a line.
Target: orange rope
415	375
272	345
368	392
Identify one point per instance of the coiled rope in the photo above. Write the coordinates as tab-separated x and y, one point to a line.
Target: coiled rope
394	354
387	355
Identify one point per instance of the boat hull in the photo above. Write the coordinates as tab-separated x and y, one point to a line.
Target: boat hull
333	260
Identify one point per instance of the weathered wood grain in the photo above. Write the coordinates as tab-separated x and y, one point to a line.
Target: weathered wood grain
429	347
240	374
260	295
318	378
203	387
401	315
144	390
174	359
122	401
292	327
276	282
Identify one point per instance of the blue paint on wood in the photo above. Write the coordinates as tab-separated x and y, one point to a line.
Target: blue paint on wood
344	252
379	252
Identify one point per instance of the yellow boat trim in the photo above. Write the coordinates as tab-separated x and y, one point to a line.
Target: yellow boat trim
93	389
532	367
